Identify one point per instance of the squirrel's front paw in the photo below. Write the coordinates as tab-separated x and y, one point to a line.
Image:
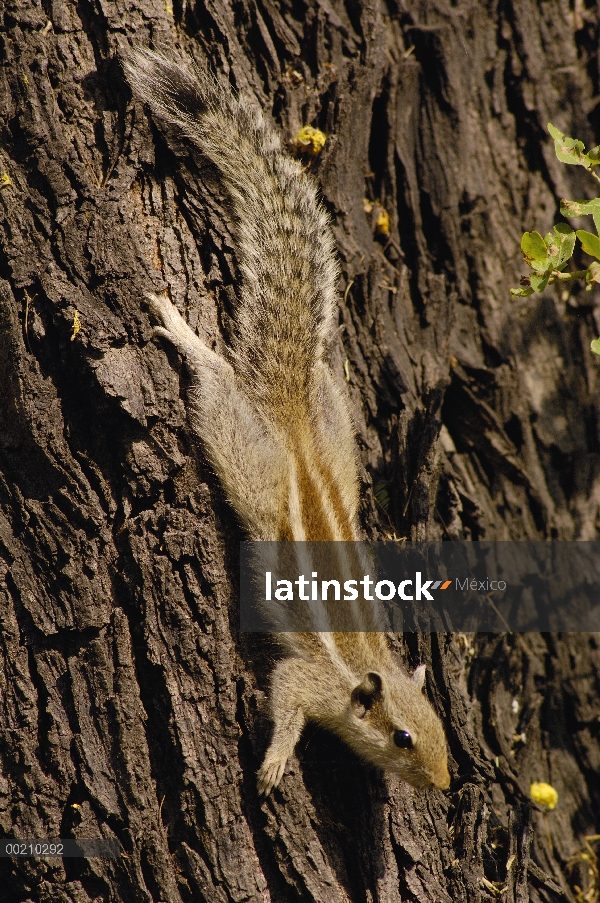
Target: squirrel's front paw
270	774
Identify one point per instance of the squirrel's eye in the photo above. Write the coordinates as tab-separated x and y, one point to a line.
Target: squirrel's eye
403	740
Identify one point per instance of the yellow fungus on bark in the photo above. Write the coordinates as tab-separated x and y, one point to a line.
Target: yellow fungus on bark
544	794
310	140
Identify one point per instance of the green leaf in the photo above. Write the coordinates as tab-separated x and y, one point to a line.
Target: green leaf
554	132
590	243
553	251
382	494
521	292
582	208
539	282
534	249
595	346
571	150
565	239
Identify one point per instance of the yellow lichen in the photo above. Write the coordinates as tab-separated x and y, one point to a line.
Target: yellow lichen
310	141
382	223
544	794
76	324
5	180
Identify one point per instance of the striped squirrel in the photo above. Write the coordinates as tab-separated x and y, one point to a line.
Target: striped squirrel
276	428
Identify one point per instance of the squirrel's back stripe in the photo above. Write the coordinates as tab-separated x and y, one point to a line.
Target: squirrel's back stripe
316	511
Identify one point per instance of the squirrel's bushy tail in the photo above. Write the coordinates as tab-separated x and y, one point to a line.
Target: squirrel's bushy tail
286	252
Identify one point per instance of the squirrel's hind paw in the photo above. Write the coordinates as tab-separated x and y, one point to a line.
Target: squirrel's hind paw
165	311
175	329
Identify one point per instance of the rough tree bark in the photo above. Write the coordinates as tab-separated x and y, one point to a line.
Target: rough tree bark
131	706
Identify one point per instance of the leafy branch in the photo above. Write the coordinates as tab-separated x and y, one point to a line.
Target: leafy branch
549	255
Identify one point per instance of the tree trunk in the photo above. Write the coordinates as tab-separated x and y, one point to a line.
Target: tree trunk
131	706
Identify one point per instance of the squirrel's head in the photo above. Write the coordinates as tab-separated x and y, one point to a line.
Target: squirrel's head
392	724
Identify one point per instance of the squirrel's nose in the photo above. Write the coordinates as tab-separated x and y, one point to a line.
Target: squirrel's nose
442	779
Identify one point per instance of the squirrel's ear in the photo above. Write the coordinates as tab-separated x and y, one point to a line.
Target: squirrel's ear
368	691
419	676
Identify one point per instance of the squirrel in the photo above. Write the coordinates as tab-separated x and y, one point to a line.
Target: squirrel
276	428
